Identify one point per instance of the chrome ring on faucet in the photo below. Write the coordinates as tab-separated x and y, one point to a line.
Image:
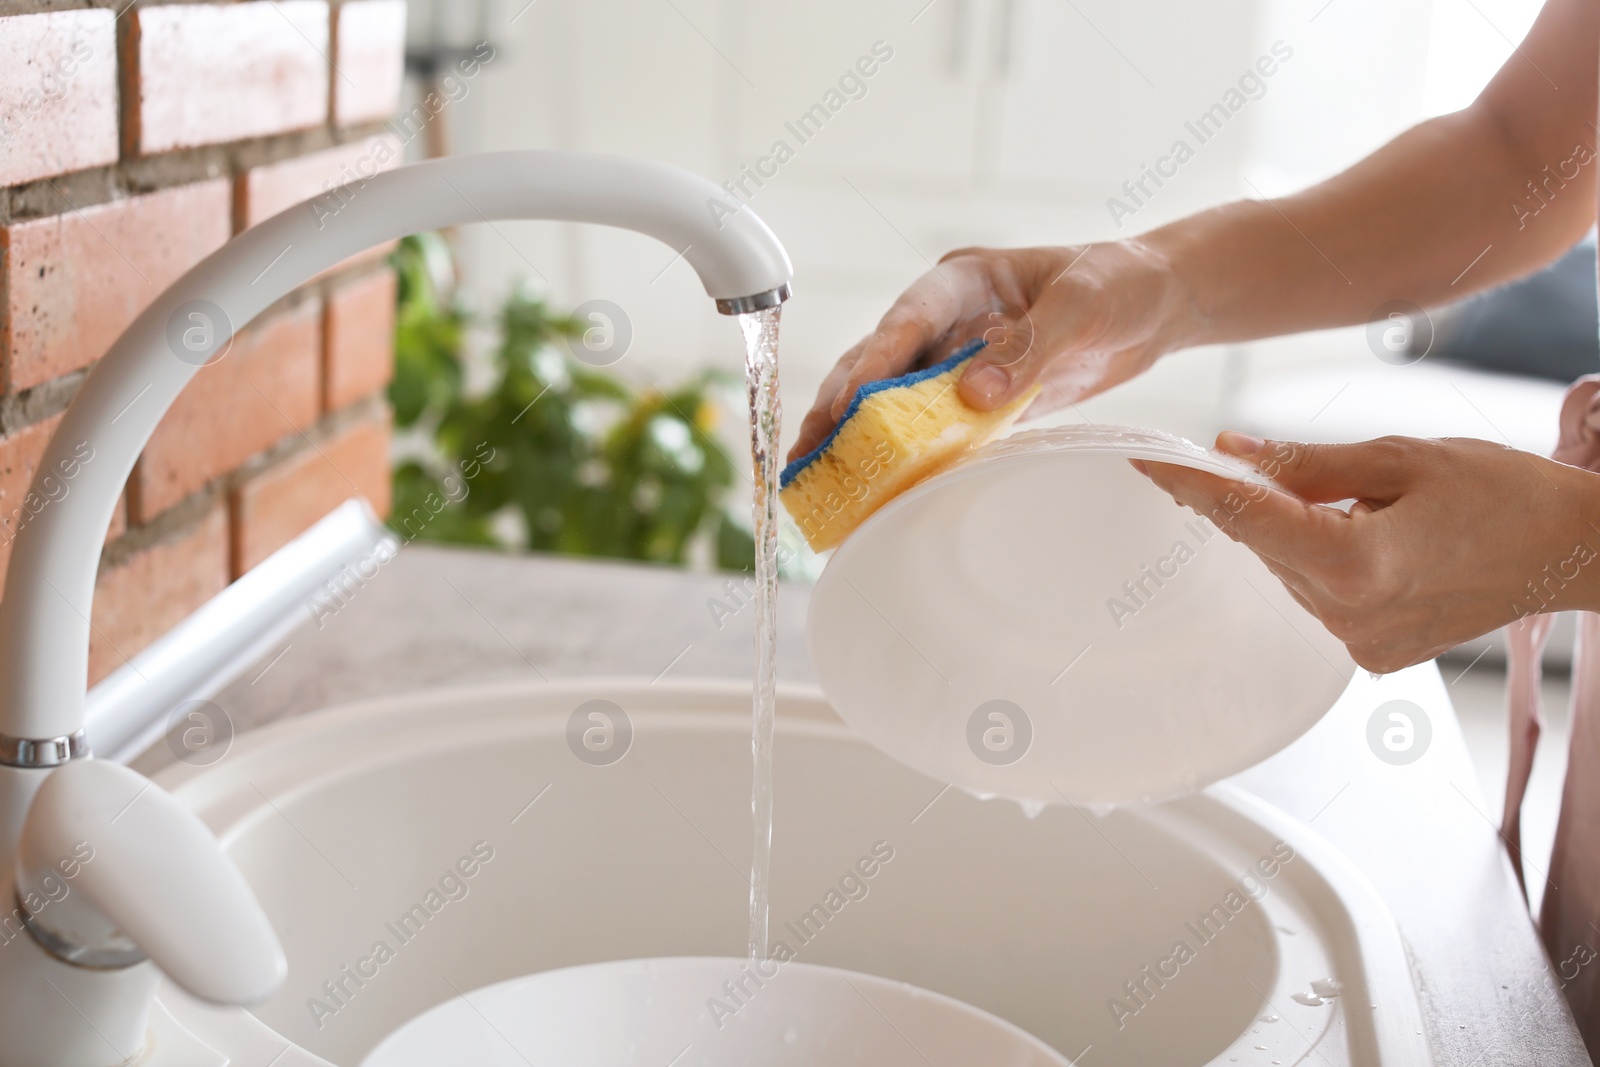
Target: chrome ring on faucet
98	959
43	752
741	305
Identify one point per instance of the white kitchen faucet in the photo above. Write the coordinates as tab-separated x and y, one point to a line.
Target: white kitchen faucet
103	876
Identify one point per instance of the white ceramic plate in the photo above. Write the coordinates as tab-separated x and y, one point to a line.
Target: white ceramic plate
677	1011
1042	622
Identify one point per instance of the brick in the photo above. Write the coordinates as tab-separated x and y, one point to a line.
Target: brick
277	505
20	453
58	94
358	340
75	281
264	389
208	73
19	459
262	192
369	59
145	596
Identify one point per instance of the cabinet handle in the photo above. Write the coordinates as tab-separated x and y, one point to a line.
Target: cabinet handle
1005	43
962	32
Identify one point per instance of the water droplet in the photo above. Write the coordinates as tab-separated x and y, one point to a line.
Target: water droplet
1310	1000
1032	808
1261	1048
1269	1018
1326	987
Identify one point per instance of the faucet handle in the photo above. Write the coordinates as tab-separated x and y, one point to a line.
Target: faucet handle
113	869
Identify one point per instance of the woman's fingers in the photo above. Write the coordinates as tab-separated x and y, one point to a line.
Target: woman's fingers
958	291
1297	585
1065	316
1293	528
1279	527
1448	539
1087	318
1091	315
820	420
1281	530
1309	548
890	350
1374	471
951	293
1015	354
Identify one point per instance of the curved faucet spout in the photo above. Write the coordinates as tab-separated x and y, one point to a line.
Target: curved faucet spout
44	617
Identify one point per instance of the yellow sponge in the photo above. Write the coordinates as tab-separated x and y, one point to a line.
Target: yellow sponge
895	433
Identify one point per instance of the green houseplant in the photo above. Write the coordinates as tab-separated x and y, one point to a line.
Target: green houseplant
554	455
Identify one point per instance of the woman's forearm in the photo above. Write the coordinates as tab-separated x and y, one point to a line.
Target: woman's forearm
1456	204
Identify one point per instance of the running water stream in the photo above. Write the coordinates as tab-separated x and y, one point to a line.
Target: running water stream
760	330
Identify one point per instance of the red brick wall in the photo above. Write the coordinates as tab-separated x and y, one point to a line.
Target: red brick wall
131	146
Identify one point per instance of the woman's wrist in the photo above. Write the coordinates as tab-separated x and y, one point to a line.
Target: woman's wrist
1184	320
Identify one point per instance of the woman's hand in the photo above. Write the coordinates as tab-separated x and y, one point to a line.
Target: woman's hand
1082	319
1448	539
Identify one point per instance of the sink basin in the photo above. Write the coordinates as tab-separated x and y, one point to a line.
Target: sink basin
412	850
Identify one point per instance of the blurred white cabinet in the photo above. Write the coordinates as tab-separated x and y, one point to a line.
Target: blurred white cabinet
1091	91
982	91
917	114
989	89
993	122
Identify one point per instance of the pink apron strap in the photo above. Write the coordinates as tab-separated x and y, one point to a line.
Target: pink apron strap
1569	919
1525	641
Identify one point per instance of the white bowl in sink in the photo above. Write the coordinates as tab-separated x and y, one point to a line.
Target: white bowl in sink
461	830
646	1013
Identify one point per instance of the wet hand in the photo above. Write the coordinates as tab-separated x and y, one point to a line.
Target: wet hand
1081	319
1448	539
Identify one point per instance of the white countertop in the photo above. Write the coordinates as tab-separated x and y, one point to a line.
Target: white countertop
436	616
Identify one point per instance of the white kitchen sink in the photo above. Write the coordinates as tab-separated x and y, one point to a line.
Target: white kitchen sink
1068	924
